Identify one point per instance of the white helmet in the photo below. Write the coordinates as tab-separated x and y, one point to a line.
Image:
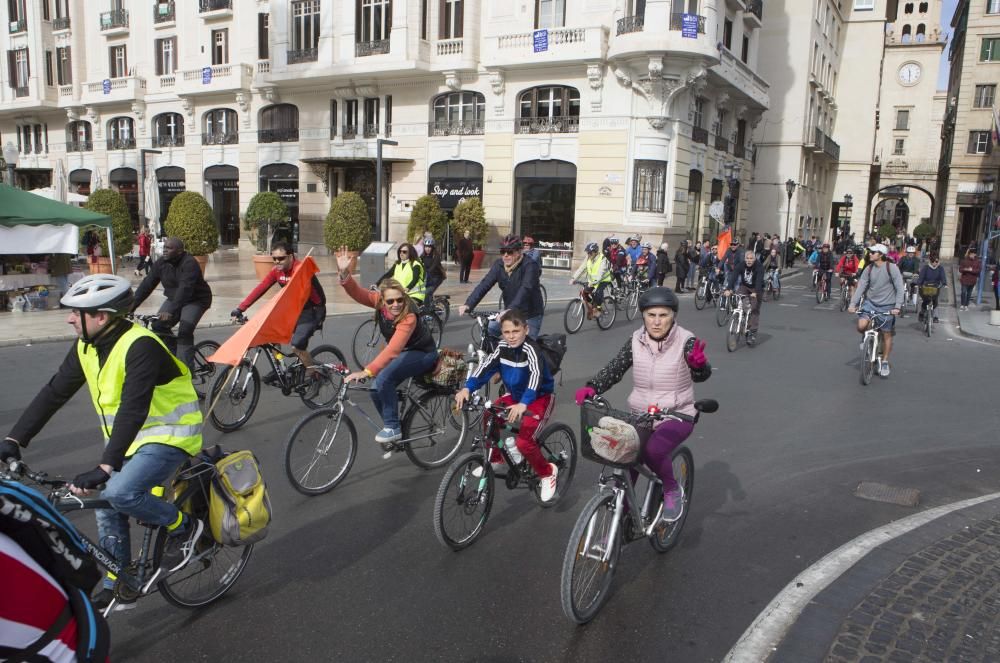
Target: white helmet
100	292
881	248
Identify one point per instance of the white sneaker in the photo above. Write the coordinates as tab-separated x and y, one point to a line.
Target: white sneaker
884	369
499	467
547	488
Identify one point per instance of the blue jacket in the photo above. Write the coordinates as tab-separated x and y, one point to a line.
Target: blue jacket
930	276
633	254
522	370
520	289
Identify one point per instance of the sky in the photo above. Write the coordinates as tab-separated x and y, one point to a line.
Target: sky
947	9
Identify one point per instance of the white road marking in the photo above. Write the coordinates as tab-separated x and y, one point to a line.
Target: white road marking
765	633
792	305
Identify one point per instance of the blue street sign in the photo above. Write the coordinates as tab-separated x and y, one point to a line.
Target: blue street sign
106	85
541	40
689	26
206	75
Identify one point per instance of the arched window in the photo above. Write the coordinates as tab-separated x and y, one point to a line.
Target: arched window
921	33
279	124
908	8
79	137
121	133
168	130
550	108
461	113
907	33
219	127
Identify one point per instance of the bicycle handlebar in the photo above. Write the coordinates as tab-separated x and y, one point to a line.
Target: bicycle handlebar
18	469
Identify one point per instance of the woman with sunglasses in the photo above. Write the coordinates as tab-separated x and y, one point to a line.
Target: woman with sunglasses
409	350
409	272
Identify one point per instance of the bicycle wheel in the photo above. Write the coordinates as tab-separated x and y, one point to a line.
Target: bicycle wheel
320	451
608	313
867	364
212	571
463	501
820	289
202	370
433	429
665	536
777	293
700	296
558	445
367	343
234	395
632	305
325	383
433	324
733	335
722	312
844	299
477	334
928	325
574	315
442	307
591	560
545	296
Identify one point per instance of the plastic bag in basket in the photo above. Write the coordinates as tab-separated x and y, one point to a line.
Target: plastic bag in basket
615	440
449	370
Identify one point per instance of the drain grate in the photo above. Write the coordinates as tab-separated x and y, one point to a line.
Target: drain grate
880	492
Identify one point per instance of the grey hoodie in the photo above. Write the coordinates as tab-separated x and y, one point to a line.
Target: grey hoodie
882	286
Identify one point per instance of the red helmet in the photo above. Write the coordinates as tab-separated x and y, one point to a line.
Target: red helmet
511	242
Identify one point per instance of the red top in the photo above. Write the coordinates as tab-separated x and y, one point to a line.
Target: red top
281	277
144	243
846	266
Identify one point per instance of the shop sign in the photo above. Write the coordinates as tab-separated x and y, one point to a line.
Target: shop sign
175	186
451	192
541	40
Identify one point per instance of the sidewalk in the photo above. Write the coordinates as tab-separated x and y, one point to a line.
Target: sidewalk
974	323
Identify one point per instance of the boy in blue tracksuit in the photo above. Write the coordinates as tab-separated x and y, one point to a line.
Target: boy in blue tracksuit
529	396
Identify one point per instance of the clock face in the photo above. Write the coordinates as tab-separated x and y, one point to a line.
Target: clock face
909	73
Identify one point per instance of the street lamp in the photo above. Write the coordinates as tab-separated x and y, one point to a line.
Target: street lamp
732	180
789	189
383	231
10	158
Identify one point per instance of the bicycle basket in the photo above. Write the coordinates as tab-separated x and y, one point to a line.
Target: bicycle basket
929	290
449	372
612	437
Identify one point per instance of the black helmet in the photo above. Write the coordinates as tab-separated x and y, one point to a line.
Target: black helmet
511	242
658	297
592	247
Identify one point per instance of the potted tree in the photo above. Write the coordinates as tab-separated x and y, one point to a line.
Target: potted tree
190	218
427	216
111	203
265	213
923	233
348	225
469	215
886	231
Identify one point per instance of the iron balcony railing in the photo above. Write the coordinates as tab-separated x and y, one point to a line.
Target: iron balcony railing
699	135
19	25
349	131
214	5
80	146
21	91
629	24
739	151
296	56
677	23
168	141
545	125
60	23
721	144
365	48
456	127
116	18
124	143
831	148
283	135
756	7
370	130
818	137
164	12
220	138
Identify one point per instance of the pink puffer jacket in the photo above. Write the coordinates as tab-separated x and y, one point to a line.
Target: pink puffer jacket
660	375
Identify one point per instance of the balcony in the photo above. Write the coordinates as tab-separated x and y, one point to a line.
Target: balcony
164	13
227	138
114	22
817	140
371	130
721	144
168	141
677	23
755	8
66	90
630	24
60	23
739	151
283	135
115	90
699	135
450	46
212	9
302	55
831	148
560	45
168	81
349	131
736	74
548	125
216	78
122	143
22	91
80	146
456	128
18	25
365	48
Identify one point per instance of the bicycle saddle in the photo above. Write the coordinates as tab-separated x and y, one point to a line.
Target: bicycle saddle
706	405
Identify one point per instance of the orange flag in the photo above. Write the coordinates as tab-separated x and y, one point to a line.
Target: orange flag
275	321
725	239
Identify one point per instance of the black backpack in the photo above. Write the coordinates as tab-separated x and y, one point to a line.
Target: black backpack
552	348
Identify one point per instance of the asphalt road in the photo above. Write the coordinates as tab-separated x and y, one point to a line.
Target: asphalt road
357	575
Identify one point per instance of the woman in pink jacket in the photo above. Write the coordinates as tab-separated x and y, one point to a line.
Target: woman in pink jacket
666	360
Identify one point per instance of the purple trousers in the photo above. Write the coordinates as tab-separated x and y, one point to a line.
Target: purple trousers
660	447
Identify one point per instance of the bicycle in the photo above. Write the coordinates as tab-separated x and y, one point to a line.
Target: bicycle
202	370
821	294
545	299
846	284
633	288
739	320
236	391
368	341
815	279
577	308
724	308
910	299
708	288
465	496
928	293
614	517
871	347
315	461
772	285
189	586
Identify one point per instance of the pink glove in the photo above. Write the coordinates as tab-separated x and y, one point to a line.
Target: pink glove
696	358
583	393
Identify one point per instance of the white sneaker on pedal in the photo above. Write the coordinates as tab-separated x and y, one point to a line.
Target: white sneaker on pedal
499	468
547	487
884	369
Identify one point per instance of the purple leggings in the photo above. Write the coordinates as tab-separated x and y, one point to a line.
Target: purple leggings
659	450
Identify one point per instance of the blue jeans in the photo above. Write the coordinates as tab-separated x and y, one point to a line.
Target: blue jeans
692	270
408	364
534	327
128	492
967	293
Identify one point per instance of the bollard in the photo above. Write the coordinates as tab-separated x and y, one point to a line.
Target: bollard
995	318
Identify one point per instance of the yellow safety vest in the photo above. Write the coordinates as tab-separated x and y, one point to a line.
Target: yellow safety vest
174	417
403	272
594	269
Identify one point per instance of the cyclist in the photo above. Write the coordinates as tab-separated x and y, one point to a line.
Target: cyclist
645	265
598	272
618	260
881	283
847	269
910	263
530	388
772	268
633	250
313	313
711	267
149	417
668	360
188	297
931	274
408	271
749	281
518	279
409	350
431	262
824	264
530	250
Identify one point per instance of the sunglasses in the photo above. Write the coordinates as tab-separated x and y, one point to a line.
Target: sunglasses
403	252
278	258
392	302
507	252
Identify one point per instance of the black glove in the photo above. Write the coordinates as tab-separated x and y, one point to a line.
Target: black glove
9	451
236	313
91	479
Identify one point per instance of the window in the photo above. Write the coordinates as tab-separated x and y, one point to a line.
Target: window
649	184
263	28
424	18
549	109
45	10
62	8
333	118
980	142
17	14
118	62
48	68
166	56
371	117
864	5
993	6
720	122
451	19
305	25
374	20
698	113
902	120
923	7
921	33
33	138
550	13
220	46
168	130
64	66
908	8
745	52
899	146
121	133
458	113
990	51
727	34
351	118
78	137
985	94
18	70
279	124
388	115
220	127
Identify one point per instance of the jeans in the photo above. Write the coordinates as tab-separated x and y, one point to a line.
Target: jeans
692	270
967	293
128	492
829	283
534	327
754	322
409	363
464	267
659	449
183	344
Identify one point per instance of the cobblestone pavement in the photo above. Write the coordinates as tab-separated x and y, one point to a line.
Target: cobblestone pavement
941	604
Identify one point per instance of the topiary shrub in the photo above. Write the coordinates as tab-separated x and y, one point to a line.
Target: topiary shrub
886	231
265	213
923	232
347	223
111	203
470	216
190	218
427	215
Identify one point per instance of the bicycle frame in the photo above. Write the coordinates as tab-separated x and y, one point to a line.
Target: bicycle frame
624	489
875	325
406	400
740	313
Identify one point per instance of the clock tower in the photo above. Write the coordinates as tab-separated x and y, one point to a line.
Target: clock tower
910	114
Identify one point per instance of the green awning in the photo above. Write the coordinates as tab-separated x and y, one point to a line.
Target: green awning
20	208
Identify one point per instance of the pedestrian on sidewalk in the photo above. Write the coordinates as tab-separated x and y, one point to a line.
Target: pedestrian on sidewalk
681	264
144	240
663	266
996	283
694	257
463	255
968	270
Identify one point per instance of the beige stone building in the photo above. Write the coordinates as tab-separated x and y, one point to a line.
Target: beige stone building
571	119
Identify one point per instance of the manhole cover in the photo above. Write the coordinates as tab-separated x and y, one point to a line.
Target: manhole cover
879	492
